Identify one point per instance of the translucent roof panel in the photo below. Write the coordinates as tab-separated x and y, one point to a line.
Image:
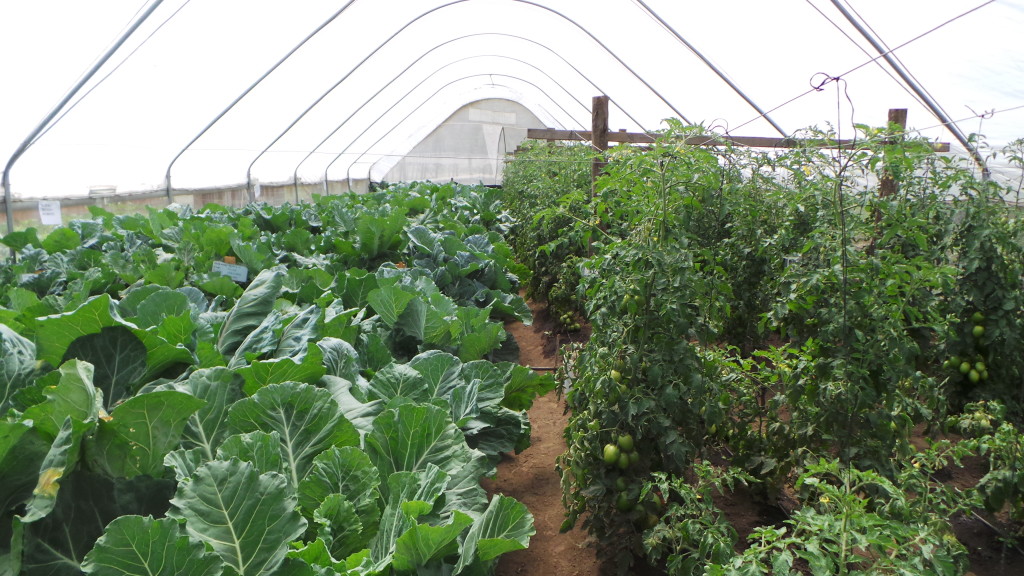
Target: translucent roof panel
219	93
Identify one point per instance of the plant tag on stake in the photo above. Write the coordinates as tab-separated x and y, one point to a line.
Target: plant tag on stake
49	213
236	272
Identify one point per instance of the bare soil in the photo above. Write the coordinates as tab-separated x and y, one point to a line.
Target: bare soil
530	477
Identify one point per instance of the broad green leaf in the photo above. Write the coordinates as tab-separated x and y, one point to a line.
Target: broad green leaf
18	240
57	543
119	359
261	449
142	546
389	302
479	342
262	373
506	526
415	437
22	451
58	463
299	333
410	495
17	363
398	381
207	427
55	333
346	470
74	396
248	518
185	462
260	342
339	358
251	309
340	528
61	240
161	305
440	371
424	543
140	432
307	418
523	385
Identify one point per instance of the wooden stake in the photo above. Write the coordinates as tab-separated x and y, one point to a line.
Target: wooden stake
599	131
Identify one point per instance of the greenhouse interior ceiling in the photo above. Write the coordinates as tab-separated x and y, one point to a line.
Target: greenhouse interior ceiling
131	95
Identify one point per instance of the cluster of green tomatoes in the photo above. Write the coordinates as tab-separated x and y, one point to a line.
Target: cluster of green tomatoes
974	369
569	322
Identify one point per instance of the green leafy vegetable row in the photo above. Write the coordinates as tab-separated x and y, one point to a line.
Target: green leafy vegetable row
332	415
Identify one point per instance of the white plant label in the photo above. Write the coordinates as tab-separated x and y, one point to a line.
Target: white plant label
236	272
49	213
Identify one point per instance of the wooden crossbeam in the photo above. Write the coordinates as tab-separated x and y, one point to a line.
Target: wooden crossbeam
711	140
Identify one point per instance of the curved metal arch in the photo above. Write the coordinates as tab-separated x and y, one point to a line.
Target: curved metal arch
217	118
348	172
295	172
248	172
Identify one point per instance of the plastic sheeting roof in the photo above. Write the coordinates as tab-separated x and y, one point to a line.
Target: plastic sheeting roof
382	73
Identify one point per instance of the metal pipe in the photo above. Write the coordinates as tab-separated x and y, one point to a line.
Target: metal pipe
713	68
67	98
167	175
295	172
348	174
248	172
333	132
931	104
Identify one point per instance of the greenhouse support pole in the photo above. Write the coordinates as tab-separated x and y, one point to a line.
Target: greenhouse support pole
60	106
917	89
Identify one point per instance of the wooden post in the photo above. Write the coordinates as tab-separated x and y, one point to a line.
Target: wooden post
599	134
897	116
888	186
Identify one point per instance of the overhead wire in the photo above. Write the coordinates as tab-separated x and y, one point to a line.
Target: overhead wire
874	59
866	53
102	79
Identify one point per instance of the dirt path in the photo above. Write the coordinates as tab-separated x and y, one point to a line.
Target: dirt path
530	477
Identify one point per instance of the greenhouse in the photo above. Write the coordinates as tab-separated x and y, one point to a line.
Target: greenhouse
512	287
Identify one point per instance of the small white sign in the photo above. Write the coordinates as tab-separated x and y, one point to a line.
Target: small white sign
236	272
49	213
256	190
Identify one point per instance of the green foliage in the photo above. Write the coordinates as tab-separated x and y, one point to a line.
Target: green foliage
772	309
332	413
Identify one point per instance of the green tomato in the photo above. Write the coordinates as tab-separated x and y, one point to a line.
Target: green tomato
979	366
984	375
620	483
955	361
634	457
965	367
616	375
611	454
977	317
623	503
973	375
623	462
978	331
626	443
